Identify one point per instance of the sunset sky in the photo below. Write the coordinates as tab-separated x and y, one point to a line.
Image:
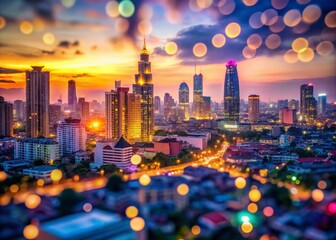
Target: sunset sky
95	42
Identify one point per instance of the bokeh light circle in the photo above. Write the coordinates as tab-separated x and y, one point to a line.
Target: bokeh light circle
171	48
204	3
325	48
311	13
131	212
307	55
278	26
3	176
87	207
26	27
144	180
269	17
330	19
273	41
291	56
240	182
30	231
136	159
200	49
300	45
255	20
121	25
252	208
137	224
254	41
232	30
292	18
32	201
145	12
279	4
126	8
112	9
254	195
145	27
182	189
68	3
249	52
226	7
268	211
48	38
196	230
56	175
317	195
303	1
322	184
2	22
250	2
218	40
246	227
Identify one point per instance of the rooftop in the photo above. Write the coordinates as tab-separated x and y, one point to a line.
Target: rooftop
122	143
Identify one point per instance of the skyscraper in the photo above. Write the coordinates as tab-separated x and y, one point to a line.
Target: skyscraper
253	108
231	93
134	118
6	118
54	114
206	107
308	104
293	104
157	105
198	96
168	107
322	103
83	108
143	86
72	97
184	101
37	102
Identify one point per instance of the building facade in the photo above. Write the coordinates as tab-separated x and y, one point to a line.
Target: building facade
308	104
71	136
322	103
253	108
157	105
19	110
143	86
231	93
198	96
6	118
30	149
54	114
37	102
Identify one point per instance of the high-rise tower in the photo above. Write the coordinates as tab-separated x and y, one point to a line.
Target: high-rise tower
253	108
37	102
6	118
231	93
143	86
308	104
198	95
184	101
72	98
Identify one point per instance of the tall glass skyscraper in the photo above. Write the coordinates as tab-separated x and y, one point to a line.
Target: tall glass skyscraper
308	104
231	93
198	96
143	86
72	98
184	101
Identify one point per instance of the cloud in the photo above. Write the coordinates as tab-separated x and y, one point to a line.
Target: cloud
42	8
82	75
7	81
78	52
68	44
10	71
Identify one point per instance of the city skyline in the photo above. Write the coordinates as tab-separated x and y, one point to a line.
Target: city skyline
62	45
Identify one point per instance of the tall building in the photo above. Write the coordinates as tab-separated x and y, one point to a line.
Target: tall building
287	115
123	114
54	114
168	107
6	118
37	102
253	108
19	110
143	86
322	103
184	101
157	105
293	104
83	108
72	97
30	149
206	107
308	104
71	136
198	96
282	103
231	93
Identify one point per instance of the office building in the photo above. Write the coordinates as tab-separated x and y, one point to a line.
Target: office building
287	116
134	118
184	101
118	153
71	136
231	93
198	96
253	108
19	110
282	103
30	149
37	102
322	103
83	108
6	118
157	105
168	107
206	107
293	104
72	96
143	86
308	104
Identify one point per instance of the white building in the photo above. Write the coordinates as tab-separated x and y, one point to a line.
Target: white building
284	140
196	141
39	171
30	149
71	136
118	153
82	156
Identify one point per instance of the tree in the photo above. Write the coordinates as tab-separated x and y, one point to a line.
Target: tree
39	162
115	183
108	168
281	196
160	132
68	199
